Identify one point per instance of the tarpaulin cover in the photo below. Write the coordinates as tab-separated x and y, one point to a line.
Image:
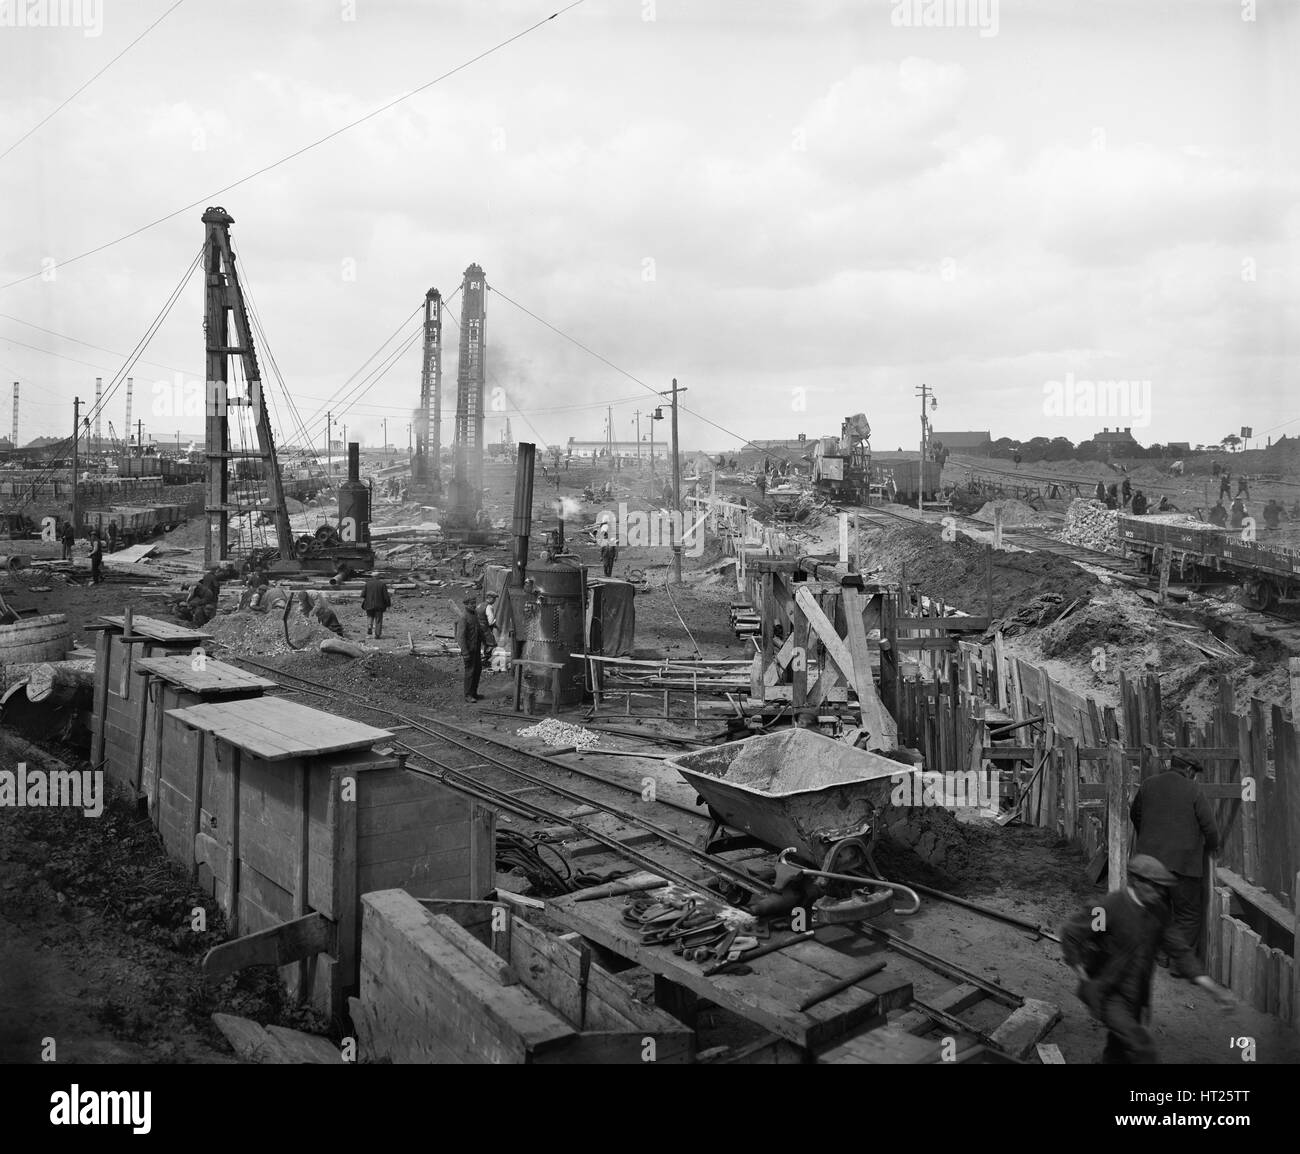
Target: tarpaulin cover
495	579
617	635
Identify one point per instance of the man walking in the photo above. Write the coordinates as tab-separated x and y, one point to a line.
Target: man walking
1175	825
96	557
1112	947
470	643
1225	483
608	550
68	538
375	600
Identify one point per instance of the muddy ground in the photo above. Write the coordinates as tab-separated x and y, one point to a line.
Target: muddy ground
96	944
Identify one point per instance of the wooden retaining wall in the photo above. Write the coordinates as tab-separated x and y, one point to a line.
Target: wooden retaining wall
1073	766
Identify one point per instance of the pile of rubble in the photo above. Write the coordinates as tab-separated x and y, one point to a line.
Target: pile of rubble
1013	512
1090	524
557	733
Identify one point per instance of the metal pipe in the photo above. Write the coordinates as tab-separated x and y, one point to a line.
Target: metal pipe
856	879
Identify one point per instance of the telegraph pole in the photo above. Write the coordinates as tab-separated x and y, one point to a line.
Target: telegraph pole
329	456
76	426
677	486
923	391
638	436
385	435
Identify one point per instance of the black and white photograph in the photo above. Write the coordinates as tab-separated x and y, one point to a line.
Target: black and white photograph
635	533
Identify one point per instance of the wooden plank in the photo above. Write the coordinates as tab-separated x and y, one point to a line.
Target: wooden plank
1069	769
1219	907
1295	957
275	729
482	851
1024	1028
155	630
883	1046
1259	986
952	1001
1049	1054
213	678
290	942
1286	991
250	1041
471	1012
825	631
309	1049
768	996
1258	899
1117	823
498	969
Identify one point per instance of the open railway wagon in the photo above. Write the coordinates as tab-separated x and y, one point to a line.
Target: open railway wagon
909	477
1202	554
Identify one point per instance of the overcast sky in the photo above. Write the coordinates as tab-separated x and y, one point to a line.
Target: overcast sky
780	203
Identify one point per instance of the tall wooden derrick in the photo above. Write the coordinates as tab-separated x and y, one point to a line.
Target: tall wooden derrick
467	485
225	313
426	471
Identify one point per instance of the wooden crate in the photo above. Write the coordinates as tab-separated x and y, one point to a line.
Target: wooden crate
470	982
119	716
297	817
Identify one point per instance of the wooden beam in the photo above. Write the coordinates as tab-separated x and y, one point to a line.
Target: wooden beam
1116	820
281	945
875	718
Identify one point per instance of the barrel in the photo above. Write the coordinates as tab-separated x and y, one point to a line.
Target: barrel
44	638
553	632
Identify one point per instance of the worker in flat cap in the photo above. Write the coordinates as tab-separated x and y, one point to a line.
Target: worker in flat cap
1175	825
470	642
1112	946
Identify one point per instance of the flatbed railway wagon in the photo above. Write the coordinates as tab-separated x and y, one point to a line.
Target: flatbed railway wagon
1202	554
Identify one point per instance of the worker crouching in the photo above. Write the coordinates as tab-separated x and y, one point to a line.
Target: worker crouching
1112	946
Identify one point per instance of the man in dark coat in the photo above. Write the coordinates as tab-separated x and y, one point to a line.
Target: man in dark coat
486	638
96	557
1101	492
1174	825
1126	492
1237	517
1225	483
1112	946
470	642
1219	515
375	600
1139	503
68	538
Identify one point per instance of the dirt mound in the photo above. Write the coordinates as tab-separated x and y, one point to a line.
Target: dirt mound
257	634
1118	620
954	571
1013	513
928	845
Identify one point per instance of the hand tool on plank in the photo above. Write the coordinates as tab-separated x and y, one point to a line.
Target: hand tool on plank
770	948
829	991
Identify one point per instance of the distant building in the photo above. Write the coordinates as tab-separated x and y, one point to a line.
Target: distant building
1115	442
1179	446
967	442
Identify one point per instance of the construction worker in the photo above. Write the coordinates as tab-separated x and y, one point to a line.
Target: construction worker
1139	502
1112	946
487	641
1237	516
1174	824
1243	487
1219	515
490	614
96	557
1101	492
1225	483
68	538
375	600
1126	493
1273	514
608	552
469	642
112	536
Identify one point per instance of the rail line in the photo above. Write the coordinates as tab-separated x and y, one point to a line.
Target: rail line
492	759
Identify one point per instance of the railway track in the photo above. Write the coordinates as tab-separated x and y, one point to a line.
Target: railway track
660	836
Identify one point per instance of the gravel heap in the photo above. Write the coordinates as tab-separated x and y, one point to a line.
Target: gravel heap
1090	524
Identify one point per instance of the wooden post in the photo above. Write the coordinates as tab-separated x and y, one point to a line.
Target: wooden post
302	801
997	528
196	808
844	539
1117	824
1293	665
1295	956
799	663
1070	786
232	853
343	821
857	544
